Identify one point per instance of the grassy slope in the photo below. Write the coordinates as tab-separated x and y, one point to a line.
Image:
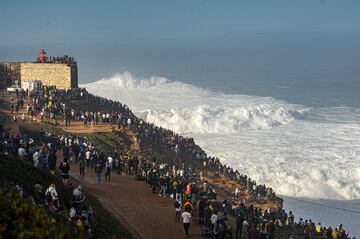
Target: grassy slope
19	172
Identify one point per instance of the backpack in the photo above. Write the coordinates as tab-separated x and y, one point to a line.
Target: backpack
176	204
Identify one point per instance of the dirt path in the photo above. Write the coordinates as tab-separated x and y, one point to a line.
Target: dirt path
148	214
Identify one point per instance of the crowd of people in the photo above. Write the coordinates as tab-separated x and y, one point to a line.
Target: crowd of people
61	59
57	104
43	155
185	185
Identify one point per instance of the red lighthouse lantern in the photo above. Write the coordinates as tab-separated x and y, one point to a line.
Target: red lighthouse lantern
42	56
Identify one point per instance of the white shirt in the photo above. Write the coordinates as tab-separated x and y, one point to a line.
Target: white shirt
87	154
36	156
213	218
53	193
186	217
21	152
178	209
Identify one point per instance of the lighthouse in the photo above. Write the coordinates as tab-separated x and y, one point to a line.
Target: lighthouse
42	56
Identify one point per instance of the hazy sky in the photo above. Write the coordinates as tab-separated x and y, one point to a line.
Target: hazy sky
135	22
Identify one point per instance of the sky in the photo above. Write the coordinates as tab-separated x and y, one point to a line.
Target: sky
133	22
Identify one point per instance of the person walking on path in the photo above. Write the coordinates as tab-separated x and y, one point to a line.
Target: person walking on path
186	216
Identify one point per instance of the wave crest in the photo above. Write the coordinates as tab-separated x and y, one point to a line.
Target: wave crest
206	119
126	80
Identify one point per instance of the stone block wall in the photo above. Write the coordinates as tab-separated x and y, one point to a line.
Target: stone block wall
9	74
61	75
58	74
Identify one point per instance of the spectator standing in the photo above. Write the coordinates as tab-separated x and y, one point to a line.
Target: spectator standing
64	168
98	169
186	216
107	171
52	162
82	167
177	205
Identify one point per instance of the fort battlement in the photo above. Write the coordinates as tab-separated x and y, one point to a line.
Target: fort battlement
62	74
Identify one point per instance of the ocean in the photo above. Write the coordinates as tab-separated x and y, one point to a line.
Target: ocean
303	152
282	108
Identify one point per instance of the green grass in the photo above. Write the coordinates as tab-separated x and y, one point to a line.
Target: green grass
20	218
108	142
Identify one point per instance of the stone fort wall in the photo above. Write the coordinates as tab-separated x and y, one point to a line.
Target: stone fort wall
9	74
62	75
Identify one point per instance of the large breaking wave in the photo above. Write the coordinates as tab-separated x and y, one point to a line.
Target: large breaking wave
299	151
205	119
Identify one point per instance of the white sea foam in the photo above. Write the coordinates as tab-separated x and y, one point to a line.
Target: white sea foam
299	151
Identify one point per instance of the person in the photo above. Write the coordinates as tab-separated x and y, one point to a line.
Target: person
110	159
23	117
213	219
239	225
82	167
36	157
22	152
78	194
52	161
221	226
335	234
107	170
318	229
88	157
98	169
52	198
253	233
162	183
64	168
270	228
290	219
177	205
202	206
129	123
186	216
